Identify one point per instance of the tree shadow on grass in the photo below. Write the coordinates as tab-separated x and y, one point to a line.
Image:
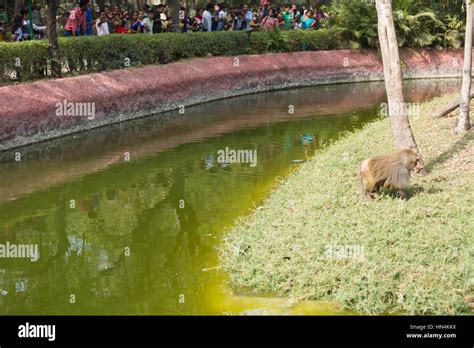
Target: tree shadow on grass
448	154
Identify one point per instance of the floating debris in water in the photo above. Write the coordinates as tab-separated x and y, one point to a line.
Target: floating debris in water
210	269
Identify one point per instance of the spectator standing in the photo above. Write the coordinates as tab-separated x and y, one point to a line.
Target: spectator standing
198	21
110	22
77	19
185	21
148	23
270	22
308	22
118	27
221	18
157	27
237	21
25	27
126	21
248	17
102	26
36	15
17	32
215	17
288	17
163	18
89	20
207	19
137	25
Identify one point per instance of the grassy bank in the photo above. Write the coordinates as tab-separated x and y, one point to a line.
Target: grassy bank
414	256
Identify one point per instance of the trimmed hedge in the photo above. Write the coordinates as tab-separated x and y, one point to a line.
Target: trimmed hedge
27	61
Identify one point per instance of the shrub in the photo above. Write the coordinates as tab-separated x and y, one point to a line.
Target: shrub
26	61
417	22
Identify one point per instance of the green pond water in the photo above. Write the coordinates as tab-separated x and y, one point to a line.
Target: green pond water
128	219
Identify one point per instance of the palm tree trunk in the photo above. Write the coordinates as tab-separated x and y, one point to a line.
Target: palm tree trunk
401	128
464	123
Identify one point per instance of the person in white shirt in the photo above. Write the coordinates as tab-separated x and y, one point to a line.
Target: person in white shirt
222	18
101	25
207	19
148	23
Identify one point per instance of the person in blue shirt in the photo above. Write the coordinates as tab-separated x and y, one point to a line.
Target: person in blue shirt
88	20
308	22
248	16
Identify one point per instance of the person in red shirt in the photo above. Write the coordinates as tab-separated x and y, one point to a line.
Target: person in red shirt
119	28
77	19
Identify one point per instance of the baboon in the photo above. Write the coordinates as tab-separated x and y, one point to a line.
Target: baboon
390	171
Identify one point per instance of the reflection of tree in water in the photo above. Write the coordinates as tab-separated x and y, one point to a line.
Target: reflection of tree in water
84	255
31	282
169	246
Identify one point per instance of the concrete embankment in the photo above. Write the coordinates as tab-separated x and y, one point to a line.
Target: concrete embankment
48	109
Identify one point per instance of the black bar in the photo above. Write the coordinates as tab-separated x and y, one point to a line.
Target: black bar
290	330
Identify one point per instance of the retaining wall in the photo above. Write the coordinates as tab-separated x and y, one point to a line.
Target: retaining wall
28	112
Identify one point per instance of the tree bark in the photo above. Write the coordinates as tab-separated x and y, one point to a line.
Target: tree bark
175	7
464	123
18	6
400	124
51	32
101	4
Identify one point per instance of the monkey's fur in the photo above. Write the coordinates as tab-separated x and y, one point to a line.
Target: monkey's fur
391	171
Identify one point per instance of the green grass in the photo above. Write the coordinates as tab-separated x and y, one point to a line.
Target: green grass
418	255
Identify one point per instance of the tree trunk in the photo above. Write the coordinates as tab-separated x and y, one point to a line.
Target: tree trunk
175	7
101	4
464	123
401	128
18	6
51	32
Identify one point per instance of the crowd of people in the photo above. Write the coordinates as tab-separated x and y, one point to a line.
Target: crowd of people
21	26
154	19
